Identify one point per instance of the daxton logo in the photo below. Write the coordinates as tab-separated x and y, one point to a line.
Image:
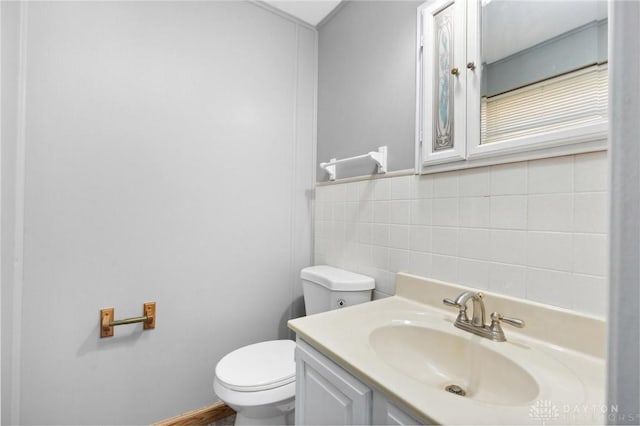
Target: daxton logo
544	410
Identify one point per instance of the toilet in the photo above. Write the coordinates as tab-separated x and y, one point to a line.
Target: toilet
258	381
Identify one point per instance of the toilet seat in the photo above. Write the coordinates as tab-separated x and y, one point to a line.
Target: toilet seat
258	367
277	397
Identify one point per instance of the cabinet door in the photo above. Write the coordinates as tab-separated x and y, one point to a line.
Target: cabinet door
442	72
385	413
326	394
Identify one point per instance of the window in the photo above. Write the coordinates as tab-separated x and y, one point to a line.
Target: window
573	100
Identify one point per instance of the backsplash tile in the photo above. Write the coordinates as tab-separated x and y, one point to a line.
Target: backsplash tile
401	188
473	243
591	172
445	184
550	212
420	238
551	175
589	254
444	212
400	212
420	264
550	287
473	273
381	212
550	250
508	179
590	293
474	182
380	234
399	236
509	212
422	187
535	230
474	212
508	247
444	240
381	189
590	212
444	268
508	279
420	212
398	260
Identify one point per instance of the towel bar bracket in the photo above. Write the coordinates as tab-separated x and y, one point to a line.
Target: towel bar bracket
331	169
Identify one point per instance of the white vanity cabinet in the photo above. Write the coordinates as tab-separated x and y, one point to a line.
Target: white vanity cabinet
385	413
326	394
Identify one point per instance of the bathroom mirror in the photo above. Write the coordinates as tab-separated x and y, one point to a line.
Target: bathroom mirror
544	66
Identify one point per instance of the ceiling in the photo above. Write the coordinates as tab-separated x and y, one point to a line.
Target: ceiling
310	11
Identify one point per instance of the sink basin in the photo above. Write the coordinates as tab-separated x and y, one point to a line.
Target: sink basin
440	359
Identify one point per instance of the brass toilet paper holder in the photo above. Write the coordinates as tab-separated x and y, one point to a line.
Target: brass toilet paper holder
107	321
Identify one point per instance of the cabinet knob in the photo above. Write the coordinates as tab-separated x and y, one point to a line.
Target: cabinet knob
471	66
455	71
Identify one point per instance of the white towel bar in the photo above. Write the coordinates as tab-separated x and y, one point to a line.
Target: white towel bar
379	157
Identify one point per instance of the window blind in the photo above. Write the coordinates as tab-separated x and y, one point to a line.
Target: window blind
570	100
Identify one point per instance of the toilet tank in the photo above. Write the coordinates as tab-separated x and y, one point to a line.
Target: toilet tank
326	288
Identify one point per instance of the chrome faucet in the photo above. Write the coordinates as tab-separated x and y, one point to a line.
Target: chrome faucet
478	316
477	324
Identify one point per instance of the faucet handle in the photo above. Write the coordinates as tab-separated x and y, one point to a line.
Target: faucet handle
462	310
450	302
495	328
496	318
514	322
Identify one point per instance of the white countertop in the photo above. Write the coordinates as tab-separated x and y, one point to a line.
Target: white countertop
570	378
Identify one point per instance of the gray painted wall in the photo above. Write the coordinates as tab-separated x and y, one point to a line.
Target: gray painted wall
150	128
623	358
8	88
366	85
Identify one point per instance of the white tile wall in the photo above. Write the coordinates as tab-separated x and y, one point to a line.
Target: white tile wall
508	179
536	230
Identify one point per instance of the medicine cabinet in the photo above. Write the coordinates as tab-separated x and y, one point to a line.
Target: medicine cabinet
509	80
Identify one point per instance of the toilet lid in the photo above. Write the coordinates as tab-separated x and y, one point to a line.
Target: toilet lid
261	366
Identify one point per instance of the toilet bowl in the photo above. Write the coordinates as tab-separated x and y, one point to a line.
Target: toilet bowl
258	380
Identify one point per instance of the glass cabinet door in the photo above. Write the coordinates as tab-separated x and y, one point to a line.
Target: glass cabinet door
442	74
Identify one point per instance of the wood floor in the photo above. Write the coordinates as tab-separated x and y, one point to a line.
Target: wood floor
218	414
